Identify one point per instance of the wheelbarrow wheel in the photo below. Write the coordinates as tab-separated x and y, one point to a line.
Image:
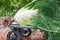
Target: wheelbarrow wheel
27	33
13	35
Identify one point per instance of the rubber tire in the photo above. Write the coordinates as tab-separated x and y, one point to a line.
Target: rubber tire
9	33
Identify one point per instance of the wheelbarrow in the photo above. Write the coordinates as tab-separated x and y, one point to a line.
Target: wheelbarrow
18	31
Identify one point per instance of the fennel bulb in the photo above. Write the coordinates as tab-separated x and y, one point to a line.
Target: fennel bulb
24	16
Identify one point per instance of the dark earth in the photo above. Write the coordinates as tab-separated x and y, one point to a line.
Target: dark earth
6	21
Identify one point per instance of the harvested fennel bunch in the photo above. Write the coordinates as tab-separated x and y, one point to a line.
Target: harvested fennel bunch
42	14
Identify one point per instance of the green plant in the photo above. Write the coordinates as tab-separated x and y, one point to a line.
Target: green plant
10	7
48	17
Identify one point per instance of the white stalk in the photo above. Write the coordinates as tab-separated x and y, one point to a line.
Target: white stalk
25	15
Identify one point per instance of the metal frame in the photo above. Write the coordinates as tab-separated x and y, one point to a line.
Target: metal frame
19	30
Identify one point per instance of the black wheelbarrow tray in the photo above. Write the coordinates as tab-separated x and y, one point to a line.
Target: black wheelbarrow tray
18	31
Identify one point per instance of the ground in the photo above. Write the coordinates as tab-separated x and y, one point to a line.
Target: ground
34	36
4	29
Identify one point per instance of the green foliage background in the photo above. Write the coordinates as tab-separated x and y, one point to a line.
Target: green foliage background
10	7
48	18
